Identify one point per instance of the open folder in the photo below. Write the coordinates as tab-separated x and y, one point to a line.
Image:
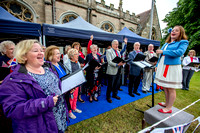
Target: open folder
94	63
142	64
139	57
118	60
153	59
73	80
192	64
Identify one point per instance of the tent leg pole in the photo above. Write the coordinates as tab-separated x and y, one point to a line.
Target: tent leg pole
40	39
44	41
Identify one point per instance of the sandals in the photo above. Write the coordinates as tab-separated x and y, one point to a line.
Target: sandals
81	100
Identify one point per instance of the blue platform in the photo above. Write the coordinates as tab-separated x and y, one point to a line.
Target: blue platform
102	106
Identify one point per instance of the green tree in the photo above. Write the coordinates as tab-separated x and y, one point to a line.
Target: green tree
186	14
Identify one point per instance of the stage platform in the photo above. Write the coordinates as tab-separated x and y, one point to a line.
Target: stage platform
152	116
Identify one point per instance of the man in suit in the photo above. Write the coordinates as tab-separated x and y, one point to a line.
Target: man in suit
147	74
113	72
135	71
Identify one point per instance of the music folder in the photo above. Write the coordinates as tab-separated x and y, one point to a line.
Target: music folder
139	57
94	63
73	80
153	59
118	60
192	64
4	72
142	64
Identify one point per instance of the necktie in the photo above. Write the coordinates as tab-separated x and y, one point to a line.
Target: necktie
116	52
151	52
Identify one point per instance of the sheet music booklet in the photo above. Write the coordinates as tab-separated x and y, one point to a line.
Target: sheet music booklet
139	57
94	63
73	80
142	64
153	59
118	60
192	64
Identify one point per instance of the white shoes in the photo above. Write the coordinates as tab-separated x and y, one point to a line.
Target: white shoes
71	115
77	111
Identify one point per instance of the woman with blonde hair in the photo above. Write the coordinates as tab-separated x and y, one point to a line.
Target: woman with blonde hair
29	94
187	70
71	66
81	60
169	71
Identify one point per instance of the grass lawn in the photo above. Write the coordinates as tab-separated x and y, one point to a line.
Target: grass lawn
127	119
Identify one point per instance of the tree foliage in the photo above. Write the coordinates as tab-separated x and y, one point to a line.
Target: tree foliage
186	14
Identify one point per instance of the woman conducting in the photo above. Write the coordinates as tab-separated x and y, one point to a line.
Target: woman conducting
169	71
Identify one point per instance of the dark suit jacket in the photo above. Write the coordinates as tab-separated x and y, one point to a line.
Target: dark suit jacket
134	69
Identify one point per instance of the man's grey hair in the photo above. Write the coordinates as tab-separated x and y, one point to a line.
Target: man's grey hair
136	43
150	45
114	41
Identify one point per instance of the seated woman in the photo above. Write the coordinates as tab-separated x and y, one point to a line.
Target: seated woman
71	66
92	73
29	94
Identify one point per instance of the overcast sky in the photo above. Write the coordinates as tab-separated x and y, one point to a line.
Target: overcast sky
139	6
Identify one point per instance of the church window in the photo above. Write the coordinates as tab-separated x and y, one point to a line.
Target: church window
107	27
68	18
17	10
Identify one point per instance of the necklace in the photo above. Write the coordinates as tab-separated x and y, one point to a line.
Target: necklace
37	71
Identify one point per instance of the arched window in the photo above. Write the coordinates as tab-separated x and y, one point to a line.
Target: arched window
153	36
67	17
107	26
18	10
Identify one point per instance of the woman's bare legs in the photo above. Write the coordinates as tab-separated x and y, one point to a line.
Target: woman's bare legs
170	96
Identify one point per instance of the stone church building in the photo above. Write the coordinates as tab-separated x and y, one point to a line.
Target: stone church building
103	16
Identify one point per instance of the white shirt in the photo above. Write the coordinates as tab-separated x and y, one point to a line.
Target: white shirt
187	61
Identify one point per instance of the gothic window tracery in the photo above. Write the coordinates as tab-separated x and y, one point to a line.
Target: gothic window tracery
17	10
68	18
107	27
